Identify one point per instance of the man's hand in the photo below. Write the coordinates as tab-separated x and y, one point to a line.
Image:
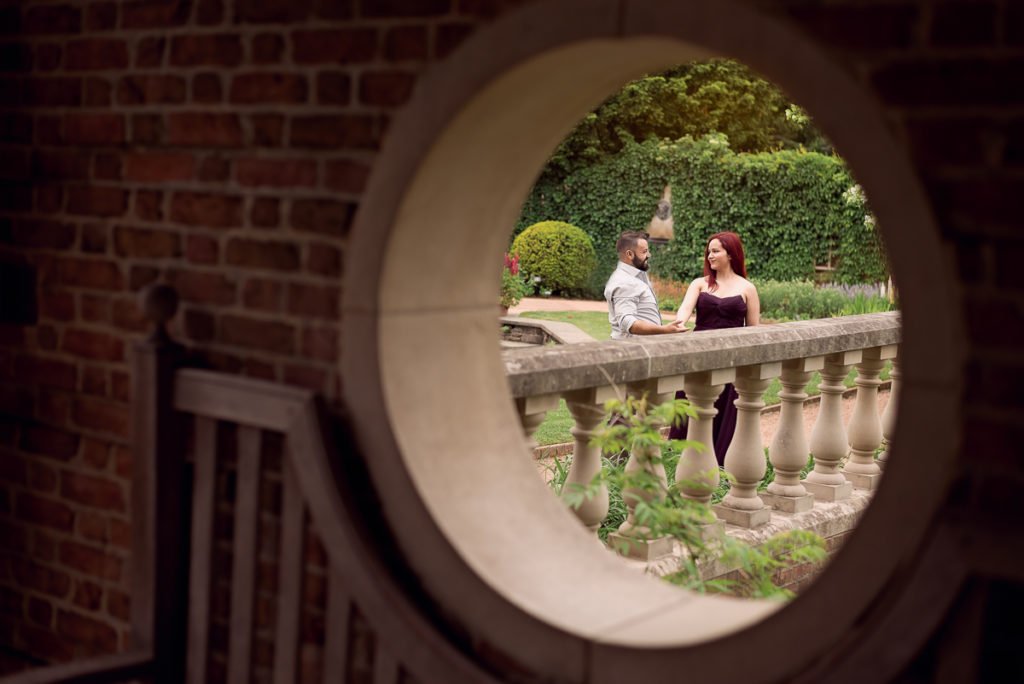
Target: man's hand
644	328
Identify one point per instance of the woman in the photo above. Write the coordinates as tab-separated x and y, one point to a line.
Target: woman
724	298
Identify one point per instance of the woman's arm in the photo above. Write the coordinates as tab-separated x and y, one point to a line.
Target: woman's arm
753	306
689	301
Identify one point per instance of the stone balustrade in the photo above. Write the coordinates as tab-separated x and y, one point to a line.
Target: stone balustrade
588	374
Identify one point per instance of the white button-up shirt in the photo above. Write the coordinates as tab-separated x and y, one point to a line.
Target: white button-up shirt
630	297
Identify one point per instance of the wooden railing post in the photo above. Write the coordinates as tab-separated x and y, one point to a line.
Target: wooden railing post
159	555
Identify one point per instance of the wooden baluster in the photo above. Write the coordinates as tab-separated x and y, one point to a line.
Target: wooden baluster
291	563
889	414
865	428
243	561
587	410
744	459
633	539
159	593
788	451
201	560
336	637
828	443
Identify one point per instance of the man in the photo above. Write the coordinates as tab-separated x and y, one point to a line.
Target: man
632	305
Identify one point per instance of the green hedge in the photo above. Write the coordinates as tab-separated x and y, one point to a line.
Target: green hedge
792	209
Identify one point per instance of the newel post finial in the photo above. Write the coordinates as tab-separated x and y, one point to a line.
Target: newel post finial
159	303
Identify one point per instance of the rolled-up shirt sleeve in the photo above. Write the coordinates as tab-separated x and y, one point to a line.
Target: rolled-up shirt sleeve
622	308
630	299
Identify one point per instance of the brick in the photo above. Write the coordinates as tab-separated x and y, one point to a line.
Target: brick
94	238
255	368
192	129
97	201
43	234
95	309
147	14
52	92
405	43
313	301
335	132
127	315
96	92
58	306
209	210
206	50
48	57
385	88
268	88
46	337
346	175
88	595
48	200
947	82
214	169
403	8
210	12
95	453
860	27
267	48
41	578
94	129
44	546
147	129
275	172
258	334
95	54
106	166
122	461
200	249
102	416
963	23
449	37
92	635
119	604
203	286
54	407
271	11
42	478
310	377
150	52
92	273
46	372
280	256
45	645
159	167
101	16
40	611
53	19
94	381
267	130
324	260
146	244
200	326
97	492
346	46
150	89
206	88
44	512
328	217
120	533
48	441
265	212
264	295
320	344
13	469
93	345
333	87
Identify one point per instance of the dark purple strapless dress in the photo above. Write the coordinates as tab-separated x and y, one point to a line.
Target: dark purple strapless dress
715	313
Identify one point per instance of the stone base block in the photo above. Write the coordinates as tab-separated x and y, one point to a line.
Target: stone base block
641	549
827	492
862	481
788	504
743	518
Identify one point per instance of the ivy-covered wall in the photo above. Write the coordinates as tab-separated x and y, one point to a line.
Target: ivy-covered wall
792	209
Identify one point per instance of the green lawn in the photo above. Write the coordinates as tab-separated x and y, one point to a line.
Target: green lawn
555	428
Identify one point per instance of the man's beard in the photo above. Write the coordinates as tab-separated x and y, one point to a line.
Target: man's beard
640	263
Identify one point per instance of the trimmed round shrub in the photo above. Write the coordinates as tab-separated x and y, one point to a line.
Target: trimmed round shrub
560	253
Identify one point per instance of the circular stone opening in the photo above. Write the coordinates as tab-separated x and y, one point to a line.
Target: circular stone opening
425	384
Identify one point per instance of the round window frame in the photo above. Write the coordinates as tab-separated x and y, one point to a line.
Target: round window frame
445	453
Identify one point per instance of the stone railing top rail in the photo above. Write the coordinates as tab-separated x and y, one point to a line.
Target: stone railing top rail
556	369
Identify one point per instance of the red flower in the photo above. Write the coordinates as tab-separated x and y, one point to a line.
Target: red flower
512	264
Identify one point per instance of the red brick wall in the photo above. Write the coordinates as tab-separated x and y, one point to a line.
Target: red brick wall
223	146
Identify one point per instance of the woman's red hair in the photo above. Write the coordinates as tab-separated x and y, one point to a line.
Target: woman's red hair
734	248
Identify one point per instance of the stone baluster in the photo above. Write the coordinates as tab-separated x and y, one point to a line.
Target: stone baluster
697	472
633	539
587	410
828	443
889	414
744	459
532	412
865	428
788	451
